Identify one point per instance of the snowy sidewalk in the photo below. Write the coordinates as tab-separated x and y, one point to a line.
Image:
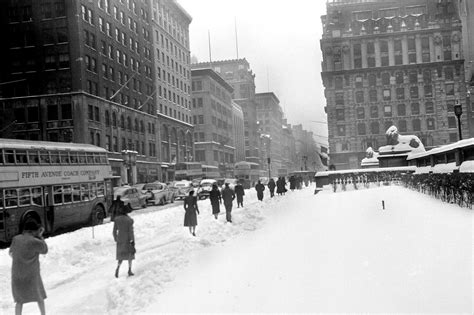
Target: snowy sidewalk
337	252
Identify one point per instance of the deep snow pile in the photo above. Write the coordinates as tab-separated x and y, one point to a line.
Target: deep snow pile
331	252
78	270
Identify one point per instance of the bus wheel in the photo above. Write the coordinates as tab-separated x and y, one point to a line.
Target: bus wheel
97	215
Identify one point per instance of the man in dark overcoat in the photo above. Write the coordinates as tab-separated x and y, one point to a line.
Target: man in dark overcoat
240	193
216	199
228	196
27	285
259	188
271	187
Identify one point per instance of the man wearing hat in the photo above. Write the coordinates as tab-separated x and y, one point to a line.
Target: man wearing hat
27	285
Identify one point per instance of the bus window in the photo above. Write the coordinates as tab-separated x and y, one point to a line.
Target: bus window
96	158
33	157
90	158
1	198
24	197
85	192
76	193
9	157
73	157
67	194
93	190
20	157
100	189
44	157
11	198
57	195
64	158
55	157
36	196
82	157
103	159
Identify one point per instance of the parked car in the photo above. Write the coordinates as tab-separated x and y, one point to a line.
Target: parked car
205	187
130	196
158	193
220	182
182	188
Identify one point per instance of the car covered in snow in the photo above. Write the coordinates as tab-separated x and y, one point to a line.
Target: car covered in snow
158	193
130	196
205	187
182	188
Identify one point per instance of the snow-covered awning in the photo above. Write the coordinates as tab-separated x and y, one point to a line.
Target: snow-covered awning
467	167
445	167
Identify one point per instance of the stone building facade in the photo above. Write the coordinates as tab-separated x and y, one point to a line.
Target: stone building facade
213	118
239	138
389	62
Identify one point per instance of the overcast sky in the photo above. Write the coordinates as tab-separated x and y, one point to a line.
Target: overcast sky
277	37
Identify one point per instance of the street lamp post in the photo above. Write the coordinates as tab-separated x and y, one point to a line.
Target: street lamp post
458	113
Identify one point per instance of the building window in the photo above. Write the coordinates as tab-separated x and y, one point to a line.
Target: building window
402	125
414	92
450	106
360	113
338	82
401	110
430	124
358	82
451	122
374	112
415	109
429	108
387	111
374	128
416	125
448	74
388	124
372	78
400	93
449	89
373	95
359	96
341	130
428	91
339	98
361	129
387	95
399	77
340	115
385	78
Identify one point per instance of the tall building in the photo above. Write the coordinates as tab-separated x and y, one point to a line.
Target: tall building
307	154
239	138
84	72
170	32
391	62
269	117
213	117
238	74
288	148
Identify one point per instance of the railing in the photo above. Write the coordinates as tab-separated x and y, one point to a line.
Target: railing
344	2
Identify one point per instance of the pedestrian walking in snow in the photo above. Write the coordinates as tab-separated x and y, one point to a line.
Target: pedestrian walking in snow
125	239
240	193
228	196
292	183
216	199
190	216
271	187
27	285
116	207
259	188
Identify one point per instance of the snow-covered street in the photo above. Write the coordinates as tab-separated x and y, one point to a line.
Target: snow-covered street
331	252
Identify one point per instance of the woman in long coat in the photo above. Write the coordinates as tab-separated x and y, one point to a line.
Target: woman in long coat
125	239
215	198
27	285
190	217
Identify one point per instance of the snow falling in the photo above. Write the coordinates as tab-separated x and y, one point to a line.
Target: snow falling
330	252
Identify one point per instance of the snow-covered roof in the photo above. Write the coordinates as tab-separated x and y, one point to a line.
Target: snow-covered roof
445	167
441	149
467	167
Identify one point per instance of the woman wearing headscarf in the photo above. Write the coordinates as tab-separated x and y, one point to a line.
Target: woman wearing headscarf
191	208
125	239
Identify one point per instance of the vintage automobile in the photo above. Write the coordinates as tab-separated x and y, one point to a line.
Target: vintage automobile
130	196
205	187
158	193
182	189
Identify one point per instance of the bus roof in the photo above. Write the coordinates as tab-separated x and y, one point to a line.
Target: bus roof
47	145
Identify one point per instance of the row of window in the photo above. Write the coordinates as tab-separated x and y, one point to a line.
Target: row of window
374	127
219	156
175	114
399	77
172	80
196	85
45	157
170	23
386	94
387	110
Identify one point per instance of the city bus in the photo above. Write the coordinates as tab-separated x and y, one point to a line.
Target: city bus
247	172
57	185
188	171
210	171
